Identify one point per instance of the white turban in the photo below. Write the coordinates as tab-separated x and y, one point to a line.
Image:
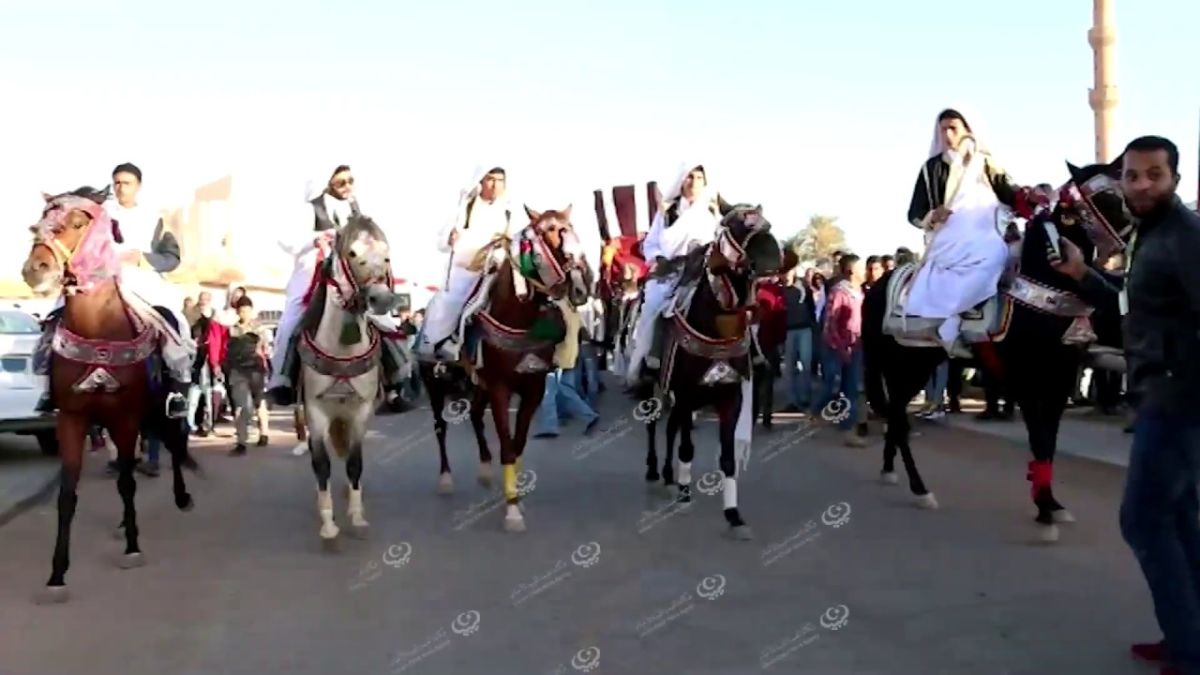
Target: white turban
938	146
674	188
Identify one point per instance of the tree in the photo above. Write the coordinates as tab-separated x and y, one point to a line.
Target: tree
818	241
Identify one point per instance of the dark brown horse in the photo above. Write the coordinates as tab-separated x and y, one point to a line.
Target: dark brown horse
101	368
707	350
519	328
1037	341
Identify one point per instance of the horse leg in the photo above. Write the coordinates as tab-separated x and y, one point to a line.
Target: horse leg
499	395
125	436
681	415
478	406
888	475
668	470
354	506
898	430
322	469
651	451
71	431
437	402
174	435
728	409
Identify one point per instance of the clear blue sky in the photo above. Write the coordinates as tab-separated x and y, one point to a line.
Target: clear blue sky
807	107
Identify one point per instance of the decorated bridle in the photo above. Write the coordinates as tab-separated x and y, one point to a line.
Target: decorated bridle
53	223
1073	200
734	253
349	293
537	266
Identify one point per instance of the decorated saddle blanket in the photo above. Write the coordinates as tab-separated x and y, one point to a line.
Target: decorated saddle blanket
987	321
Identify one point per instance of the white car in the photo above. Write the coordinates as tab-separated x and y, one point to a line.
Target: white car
20	388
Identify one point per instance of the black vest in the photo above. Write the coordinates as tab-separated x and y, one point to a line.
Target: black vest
322	221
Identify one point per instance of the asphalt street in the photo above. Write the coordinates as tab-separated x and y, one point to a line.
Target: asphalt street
844	574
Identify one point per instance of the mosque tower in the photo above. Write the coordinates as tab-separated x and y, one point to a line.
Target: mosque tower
1103	96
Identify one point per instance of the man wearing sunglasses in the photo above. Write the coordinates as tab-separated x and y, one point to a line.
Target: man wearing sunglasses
332	208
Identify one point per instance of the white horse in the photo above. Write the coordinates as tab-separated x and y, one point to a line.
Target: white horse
340	353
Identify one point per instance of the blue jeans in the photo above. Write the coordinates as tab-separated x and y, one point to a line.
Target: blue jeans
1160	520
797	366
203	387
590	388
935	391
842	378
561	400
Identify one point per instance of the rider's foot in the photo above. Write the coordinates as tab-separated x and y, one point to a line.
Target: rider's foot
177	405
282	395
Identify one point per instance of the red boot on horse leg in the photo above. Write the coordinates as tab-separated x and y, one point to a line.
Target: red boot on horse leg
98	367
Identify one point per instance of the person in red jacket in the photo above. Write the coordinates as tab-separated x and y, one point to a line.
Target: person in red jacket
770	318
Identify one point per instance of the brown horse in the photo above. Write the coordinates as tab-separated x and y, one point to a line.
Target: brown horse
520	327
100	374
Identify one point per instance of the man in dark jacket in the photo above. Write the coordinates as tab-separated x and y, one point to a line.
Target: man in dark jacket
1160	512
801	316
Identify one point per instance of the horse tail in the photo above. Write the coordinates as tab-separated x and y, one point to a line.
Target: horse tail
875	347
339	437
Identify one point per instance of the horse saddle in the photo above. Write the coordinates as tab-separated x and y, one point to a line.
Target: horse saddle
979	324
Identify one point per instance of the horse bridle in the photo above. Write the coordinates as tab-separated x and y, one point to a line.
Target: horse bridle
59	251
352	296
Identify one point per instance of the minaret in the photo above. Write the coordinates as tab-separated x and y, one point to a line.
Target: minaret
1103	97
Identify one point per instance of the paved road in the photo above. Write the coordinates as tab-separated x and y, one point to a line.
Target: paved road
844	575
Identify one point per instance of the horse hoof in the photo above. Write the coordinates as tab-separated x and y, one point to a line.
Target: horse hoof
741	532
52	595
514	524
131	561
889	478
329	544
926	501
445	484
1047	534
185	503
1063	516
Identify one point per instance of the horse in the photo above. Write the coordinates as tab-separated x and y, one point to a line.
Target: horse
1032	334
519	324
341	356
707	351
102	357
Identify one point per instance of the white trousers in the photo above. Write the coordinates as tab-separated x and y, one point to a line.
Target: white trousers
293	310
658	294
445	308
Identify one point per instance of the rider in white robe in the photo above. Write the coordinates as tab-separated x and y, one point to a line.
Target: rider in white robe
331	204
957	201
147	252
484	213
690	219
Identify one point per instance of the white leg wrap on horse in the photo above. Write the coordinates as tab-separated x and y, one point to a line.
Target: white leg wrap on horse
685	473
325	508
729	492
355	508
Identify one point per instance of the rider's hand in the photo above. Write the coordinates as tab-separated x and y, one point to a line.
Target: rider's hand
1071	263
940	215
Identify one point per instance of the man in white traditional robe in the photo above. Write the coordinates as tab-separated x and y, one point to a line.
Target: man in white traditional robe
957	201
484	214
690	218
148	251
331	204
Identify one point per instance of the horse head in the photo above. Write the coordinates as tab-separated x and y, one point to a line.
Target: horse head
73	242
365	259
556	255
745	247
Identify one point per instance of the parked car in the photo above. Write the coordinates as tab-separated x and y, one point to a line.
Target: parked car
20	388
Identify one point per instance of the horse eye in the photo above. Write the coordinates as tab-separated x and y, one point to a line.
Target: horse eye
353	254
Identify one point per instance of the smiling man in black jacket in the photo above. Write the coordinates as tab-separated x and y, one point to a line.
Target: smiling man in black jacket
1160	512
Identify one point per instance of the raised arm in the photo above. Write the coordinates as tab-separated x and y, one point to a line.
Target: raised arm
1002	184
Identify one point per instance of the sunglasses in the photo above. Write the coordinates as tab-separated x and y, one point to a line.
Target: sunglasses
343	182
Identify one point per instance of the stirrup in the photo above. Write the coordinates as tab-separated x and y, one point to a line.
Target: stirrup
179	403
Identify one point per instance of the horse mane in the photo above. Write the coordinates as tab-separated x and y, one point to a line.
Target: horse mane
357	224
311	319
694	265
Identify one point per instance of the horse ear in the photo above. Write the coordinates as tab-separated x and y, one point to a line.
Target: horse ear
1073	170
566	213
103	195
48	197
534	216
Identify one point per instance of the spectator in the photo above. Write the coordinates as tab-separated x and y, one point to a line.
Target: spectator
801	316
245	358
843	359
770	316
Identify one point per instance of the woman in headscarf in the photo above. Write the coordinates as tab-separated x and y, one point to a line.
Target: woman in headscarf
956	198
690	216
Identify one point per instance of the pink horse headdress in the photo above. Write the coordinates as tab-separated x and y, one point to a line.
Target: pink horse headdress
95	258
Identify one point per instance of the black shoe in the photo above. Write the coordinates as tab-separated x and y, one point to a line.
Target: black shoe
238	450
282	396
45	404
263	441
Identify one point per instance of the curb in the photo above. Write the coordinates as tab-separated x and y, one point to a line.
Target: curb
7	513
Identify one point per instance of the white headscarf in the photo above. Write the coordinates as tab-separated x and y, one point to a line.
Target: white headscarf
472	188
938	146
674	188
319	180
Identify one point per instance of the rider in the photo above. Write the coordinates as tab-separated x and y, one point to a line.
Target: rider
332	208
484	214
147	251
692	215
956	199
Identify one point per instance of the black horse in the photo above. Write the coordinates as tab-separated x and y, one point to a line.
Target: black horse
707	348
1038	334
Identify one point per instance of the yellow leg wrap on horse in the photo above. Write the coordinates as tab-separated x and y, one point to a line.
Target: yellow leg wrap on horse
510	481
